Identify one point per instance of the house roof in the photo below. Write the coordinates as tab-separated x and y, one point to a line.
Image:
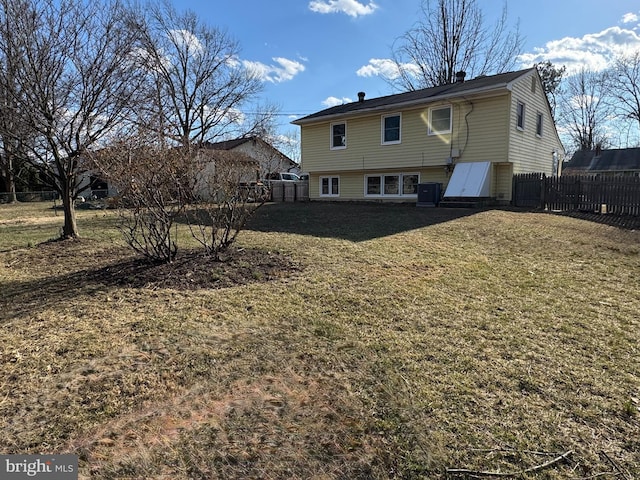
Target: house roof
478	85
230	144
235	143
617	160
229	156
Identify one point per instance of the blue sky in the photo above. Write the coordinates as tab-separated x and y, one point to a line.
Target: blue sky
316	53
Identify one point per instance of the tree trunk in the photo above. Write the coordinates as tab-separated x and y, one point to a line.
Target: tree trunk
11	183
70	228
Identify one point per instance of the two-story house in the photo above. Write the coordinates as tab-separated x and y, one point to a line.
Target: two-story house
382	148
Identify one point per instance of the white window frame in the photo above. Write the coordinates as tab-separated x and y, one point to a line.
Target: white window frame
539	124
330	179
331	136
432	131
520	117
383	129
382	176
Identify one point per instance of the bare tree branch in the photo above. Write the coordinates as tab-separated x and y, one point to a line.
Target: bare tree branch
584	110
195	75
624	86
452	36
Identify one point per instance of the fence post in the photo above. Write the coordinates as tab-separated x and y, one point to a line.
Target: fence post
543	192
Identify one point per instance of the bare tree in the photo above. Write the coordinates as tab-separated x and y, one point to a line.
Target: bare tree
14	131
75	81
453	36
585	110
195	75
624	86
9	147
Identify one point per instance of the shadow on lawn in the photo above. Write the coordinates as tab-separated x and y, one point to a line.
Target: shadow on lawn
356	222
627	222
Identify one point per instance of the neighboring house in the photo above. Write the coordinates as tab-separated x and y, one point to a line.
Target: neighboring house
615	162
382	148
94	185
269	158
246	159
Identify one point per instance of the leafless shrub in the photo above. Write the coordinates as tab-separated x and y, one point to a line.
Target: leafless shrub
226	196
154	185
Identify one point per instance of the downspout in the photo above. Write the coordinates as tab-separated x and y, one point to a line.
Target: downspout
466	140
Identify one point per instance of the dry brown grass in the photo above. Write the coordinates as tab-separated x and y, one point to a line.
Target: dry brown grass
373	342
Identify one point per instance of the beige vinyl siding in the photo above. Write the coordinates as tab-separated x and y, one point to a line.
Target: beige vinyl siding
365	150
350	186
488	135
485	140
502	183
527	151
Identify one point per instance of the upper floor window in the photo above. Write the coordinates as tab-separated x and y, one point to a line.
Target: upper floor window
391	128
539	124
440	120
520	116
338	135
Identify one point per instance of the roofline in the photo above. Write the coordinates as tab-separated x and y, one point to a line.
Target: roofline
492	90
242	140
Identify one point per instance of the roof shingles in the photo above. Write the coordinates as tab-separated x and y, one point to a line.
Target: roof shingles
417	96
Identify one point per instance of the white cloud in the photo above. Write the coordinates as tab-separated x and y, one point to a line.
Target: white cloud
283	70
386	68
185	39
333	101
630	18
594	51
353	8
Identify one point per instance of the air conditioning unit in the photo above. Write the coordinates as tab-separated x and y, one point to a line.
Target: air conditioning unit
429	194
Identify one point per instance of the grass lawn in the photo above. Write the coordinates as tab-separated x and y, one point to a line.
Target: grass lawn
345	341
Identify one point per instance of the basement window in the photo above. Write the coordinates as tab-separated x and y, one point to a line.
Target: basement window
329	186
391	185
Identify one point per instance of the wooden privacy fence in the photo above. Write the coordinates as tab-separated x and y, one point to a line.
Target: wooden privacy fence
589	193
289	191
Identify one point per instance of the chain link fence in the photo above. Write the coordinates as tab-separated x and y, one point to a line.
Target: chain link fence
46	196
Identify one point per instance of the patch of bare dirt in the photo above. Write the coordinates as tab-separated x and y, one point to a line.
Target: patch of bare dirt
87	261
194	270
